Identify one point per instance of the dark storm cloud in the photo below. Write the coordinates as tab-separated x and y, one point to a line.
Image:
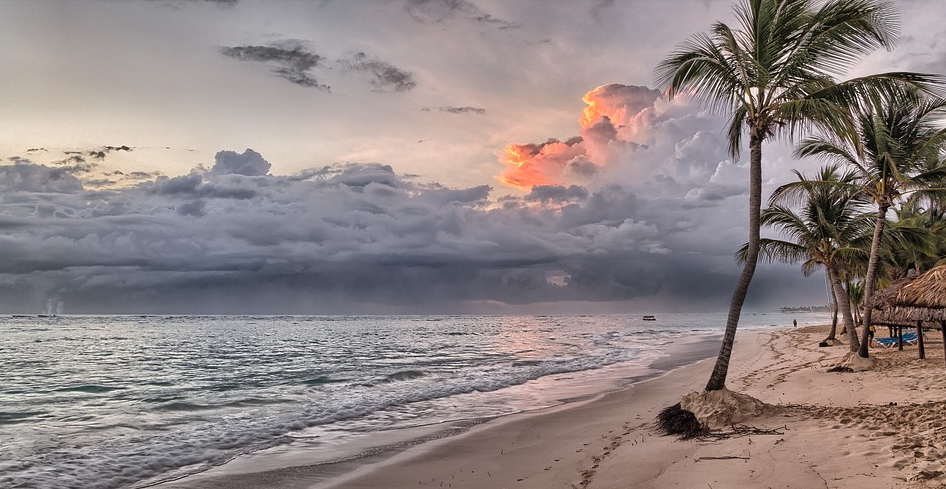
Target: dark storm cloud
556	193
288	59
436	11
457	110
362	237
193	186
27	177
294	61
355	175
384	76
356	231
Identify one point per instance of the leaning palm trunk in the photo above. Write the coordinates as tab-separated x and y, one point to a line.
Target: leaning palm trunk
844	302
833	332
872	273
717	379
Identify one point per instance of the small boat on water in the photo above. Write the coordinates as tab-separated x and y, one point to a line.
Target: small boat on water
649	318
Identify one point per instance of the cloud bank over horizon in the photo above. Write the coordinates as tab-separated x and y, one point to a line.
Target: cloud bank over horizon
654	224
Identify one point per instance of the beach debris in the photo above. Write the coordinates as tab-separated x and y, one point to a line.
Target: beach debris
674	420
841	369
723	457
743	430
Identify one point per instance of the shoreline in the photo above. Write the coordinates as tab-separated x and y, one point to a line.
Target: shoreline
878	428
881	428
243	473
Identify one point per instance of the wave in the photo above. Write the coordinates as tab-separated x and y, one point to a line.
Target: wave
18	417
322	380
89	388
404	375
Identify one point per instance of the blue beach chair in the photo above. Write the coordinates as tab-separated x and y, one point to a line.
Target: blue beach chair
908	338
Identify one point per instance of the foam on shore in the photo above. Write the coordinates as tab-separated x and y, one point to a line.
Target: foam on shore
287	467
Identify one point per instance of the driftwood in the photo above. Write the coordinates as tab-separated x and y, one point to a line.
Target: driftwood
724	457
738	431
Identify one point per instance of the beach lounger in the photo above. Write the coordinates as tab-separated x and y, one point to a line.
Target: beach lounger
908	338
887	342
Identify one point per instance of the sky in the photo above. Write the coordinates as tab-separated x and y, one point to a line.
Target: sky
378	157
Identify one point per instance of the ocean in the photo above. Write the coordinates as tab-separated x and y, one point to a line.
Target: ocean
136	401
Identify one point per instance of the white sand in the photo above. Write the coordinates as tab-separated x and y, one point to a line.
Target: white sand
834	430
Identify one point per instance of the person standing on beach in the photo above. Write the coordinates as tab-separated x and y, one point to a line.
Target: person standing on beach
795	323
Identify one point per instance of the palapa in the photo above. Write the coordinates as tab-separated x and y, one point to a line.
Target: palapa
913	301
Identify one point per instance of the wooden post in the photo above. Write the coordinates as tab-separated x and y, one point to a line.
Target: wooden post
919	339
900	338
942	328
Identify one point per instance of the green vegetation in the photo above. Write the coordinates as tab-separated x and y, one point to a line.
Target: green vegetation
775	72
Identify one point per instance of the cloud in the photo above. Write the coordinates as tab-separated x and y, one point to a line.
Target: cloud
613	124
249	163
556	193
457	110
384	76
350	238
436	11
293	60
23	176
289	59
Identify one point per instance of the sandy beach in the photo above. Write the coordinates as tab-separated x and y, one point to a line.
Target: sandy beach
883	428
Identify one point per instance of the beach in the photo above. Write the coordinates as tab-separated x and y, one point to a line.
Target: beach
883	428
593	428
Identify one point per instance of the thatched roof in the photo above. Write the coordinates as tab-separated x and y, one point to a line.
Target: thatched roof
927	290
919	298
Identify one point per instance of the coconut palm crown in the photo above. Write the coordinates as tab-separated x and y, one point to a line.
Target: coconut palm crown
897	150
774	72
828	230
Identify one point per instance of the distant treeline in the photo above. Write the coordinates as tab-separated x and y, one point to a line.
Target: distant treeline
806	309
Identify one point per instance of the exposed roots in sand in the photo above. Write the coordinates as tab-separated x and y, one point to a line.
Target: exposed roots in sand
674	420
700	412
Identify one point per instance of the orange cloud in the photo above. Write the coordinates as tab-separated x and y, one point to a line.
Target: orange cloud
537	164
611	111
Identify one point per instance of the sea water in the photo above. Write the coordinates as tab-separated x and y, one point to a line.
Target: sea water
121	401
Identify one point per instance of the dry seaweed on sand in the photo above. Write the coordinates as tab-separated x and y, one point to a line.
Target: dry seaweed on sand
674	420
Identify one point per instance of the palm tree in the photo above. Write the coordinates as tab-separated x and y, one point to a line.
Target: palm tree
774	73
897	149
829	231
855	290
926	224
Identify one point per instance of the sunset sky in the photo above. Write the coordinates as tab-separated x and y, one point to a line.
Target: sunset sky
356	156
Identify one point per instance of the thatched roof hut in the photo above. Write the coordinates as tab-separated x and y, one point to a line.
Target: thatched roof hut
908	300
915	301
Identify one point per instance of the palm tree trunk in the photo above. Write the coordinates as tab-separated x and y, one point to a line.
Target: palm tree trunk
844	302
833	332
717	379
872	273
